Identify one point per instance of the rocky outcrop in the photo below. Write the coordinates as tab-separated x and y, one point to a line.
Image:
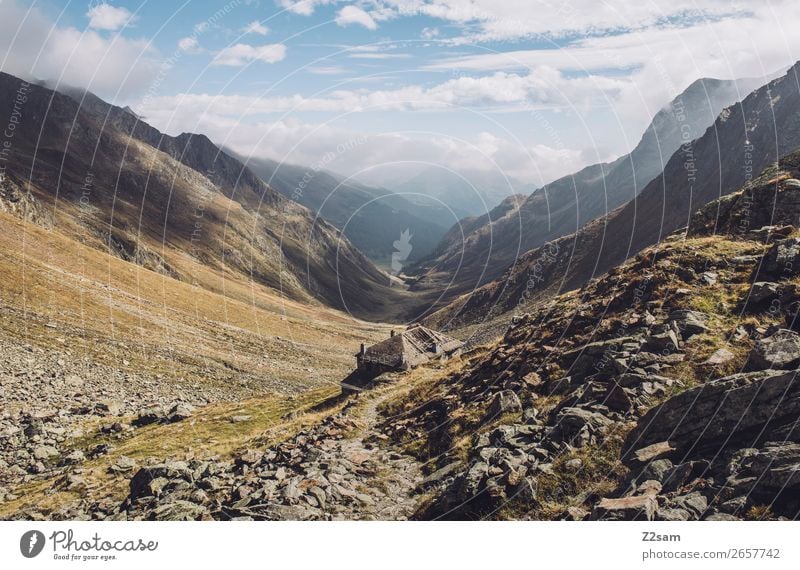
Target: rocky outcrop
780	350
737	410
640	364
726	445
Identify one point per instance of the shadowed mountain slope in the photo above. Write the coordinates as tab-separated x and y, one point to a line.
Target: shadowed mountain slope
744	139
100	174
565	205
371	218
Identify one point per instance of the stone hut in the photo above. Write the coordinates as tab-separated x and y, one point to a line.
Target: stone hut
412	347
401	351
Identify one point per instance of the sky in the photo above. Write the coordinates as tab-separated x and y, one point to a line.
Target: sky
528	90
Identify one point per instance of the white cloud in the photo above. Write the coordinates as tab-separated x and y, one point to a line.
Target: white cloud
429	33
255	27
295	141
355	15
237	121
242	54
658	63
108	17
303	7
541	87
376	55
326	69
31	46
188	44
512	19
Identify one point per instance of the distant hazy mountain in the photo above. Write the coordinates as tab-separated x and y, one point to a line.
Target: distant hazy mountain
565	205
372	218
744	139
467	193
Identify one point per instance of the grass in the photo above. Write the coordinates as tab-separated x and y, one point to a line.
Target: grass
108	309
209	433
719	300
759	513
600	473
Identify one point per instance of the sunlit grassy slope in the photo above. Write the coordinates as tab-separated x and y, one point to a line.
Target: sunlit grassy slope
55	291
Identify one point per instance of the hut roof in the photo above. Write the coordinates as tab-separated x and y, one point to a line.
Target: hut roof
414	345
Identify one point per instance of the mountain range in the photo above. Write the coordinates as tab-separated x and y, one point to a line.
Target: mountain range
493	242
101	175
371	218
745	138
467	192
179	323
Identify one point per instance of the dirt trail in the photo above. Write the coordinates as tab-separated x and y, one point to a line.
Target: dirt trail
396	475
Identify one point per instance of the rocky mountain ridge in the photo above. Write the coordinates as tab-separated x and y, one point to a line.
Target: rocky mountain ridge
372	218
492	244
746	138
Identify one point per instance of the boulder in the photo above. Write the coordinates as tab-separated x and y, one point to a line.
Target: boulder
116	427
179	412
249	457
580	426
694	503
773	468
107	407
123	464
649	453
664	342
763	291
148	481
532	380
720	412
619	399
709	278
656	470
649	487
782	261
719	357
74	457
672	515
558	386
44	452
149	415
505	402
638	508
689	323
681	474
781	350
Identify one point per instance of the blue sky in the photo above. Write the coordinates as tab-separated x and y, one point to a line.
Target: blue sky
529	89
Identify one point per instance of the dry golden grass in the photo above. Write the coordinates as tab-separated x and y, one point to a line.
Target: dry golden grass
599	474
109	309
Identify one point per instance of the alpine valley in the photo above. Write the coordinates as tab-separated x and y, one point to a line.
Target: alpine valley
190	331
